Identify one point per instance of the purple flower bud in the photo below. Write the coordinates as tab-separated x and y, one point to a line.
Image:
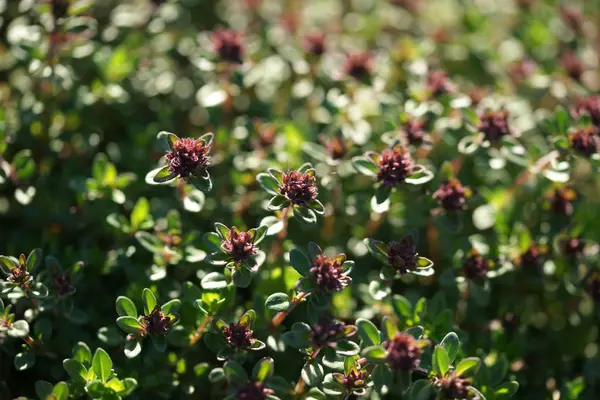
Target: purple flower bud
328	273
298	188
494	125
403	353
189	156
454	387
395	165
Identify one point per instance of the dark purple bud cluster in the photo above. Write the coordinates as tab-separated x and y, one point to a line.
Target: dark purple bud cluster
189	156
475	266
228	45
328	273
395	165
298	188
452	195
403	353
239	245
494	125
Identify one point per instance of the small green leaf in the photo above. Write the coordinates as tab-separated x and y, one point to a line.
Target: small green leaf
149	301
368	333
440	361
451	344
278	302
374	354
102	364
263	369
312	373
125	307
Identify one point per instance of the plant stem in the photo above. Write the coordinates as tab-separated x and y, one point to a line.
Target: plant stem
280	316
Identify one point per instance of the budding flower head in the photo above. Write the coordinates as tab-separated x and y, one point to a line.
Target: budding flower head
439	84
228	45
359	64
403	353
561	201
585	141
395	165
494	125
299	188
328	273
314	44
239	245
476	266
327	332
403	255
156	323
189	157
253	391
453	387
589	105
452	195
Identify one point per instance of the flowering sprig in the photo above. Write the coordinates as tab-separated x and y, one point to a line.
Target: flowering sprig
293	189
187	159
18	274
238	336
155	322
400	257
236	250
391	168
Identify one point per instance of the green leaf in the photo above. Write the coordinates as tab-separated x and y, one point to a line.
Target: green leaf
364	166
451	344
374	354
268	183
149	301
234	372
278	302
263	369
125	307
468	366
214	281
24	361
440	361
75	369
102	364
129	324
43	389
506	390
300	262
34	259
60	391
140	212
312	373
368	332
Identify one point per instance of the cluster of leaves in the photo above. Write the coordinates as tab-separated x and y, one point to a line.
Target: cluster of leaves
439	244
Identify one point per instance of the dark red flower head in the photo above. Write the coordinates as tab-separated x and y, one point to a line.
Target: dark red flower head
239	245
561	201
157	323
572	64
476	266
359	64
395	165
328	273
298	188
189	156
439	84
586	140
253	391
327	331
494	124
228	45
589	105
403	353
452	195
403	255
314	44
454	387
335	147
239	336
414	132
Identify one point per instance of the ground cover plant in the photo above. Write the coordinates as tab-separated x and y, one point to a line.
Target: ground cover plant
283	199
